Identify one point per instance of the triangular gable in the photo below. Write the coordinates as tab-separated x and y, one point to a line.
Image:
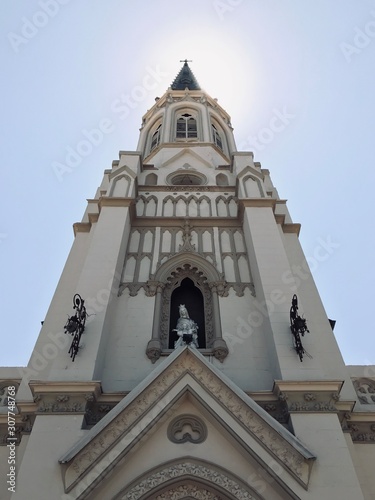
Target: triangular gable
252	171
106	443
187	155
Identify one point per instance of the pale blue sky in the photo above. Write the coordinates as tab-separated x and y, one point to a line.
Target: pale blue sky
65	68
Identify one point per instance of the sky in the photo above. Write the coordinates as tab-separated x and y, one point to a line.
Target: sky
69	68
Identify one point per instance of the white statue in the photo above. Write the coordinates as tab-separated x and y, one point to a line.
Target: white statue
186	328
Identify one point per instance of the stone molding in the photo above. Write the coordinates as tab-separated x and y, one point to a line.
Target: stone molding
81	227
362	432
309	396
63	397
188	470
258	202
83	398
150	287
198	189
125	419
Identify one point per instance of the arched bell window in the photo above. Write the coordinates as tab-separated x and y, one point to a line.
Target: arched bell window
155	139
186	127
216	137
191	297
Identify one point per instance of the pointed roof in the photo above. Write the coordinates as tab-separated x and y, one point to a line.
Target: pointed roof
185	78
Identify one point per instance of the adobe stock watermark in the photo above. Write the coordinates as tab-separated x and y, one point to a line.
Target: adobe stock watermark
121	107
322	252
245	328
31	26
222	7
361	39
277	124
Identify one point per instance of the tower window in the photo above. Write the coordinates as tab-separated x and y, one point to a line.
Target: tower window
216	137
186	127
155	140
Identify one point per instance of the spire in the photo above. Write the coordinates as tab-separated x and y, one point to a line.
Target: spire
185	78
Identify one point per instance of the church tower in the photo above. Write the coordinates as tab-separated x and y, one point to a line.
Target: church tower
197	360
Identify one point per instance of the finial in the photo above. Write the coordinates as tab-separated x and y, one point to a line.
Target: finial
185	61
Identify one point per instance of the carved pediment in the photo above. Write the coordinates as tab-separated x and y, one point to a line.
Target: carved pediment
184	371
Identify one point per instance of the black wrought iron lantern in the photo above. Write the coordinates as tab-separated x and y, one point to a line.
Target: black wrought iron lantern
71	325
298	327
75	325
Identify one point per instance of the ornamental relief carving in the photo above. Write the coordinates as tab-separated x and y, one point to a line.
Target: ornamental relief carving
212	477
312	402
252	422
188	491
61	404
187	429
362	432
365	389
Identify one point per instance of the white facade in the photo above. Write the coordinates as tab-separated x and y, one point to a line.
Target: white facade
188	219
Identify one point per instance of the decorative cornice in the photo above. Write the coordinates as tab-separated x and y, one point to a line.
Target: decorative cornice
64	397
221	287
172	221
291	228
52	387
93	218
181	144
81	227
258	202
196	188
309	396
108	201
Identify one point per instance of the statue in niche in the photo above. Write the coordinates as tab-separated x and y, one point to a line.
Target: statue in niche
186	328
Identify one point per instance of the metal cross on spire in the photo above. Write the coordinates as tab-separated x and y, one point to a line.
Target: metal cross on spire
185	79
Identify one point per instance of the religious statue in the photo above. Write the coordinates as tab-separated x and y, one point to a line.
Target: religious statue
186	328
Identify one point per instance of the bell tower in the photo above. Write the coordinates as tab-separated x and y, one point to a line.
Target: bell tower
182	326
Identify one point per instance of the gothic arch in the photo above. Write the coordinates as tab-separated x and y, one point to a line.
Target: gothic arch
191	479
187	108
222	180
151	179
209	282
174	284
226	206
120	186
149	130
222	128
143	206
202	206
253	187
207	269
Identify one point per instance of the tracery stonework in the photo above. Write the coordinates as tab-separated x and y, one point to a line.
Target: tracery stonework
187	469
254	424
187	492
